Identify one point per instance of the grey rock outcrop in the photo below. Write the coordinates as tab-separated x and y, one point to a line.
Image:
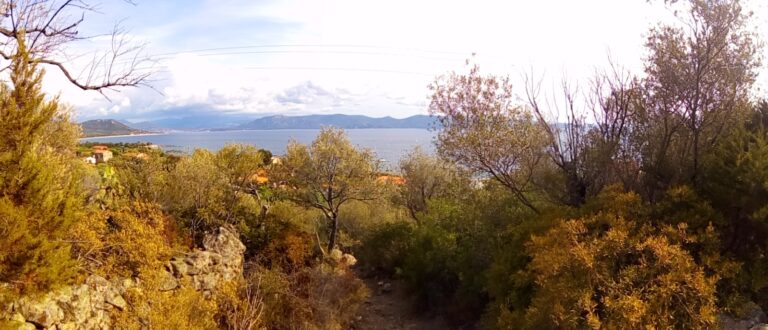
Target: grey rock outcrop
84	306
88	305
222	260
754	320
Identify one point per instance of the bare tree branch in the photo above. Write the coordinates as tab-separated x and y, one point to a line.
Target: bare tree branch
48	26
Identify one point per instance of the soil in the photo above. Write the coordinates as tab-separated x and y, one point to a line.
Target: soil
389	307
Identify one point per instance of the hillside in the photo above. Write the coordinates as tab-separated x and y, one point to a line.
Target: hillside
107	127
340	121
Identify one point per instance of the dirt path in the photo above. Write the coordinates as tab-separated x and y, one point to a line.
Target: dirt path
389	308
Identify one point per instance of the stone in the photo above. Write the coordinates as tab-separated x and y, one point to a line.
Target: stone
89	305
348	260
179	267
336	255
18	318
168	282
386	288
116	300
67	326
16	325
754	319
45	312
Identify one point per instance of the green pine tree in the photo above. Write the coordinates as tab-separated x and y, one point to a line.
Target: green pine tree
39	186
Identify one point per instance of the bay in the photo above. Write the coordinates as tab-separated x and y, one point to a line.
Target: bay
389	144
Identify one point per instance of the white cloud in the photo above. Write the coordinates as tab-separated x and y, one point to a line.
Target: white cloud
379	56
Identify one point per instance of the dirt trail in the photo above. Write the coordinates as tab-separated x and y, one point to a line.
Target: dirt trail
389	308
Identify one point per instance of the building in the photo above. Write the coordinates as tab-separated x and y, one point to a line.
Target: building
101	154
391	179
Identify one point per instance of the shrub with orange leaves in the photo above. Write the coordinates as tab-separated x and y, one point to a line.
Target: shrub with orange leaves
606	271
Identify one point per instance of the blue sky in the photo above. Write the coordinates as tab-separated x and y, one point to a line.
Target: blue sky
351	56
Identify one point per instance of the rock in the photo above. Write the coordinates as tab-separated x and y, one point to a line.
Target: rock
67	326
227	244
222	260
336	255
16	325
89	305
117	301
179	267
386	288
18	318
348	260
45	312
168	282
754	319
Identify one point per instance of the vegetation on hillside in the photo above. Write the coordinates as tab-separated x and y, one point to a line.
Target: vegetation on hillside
650	214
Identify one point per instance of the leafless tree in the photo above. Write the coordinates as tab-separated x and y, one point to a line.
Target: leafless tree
590	152
49	26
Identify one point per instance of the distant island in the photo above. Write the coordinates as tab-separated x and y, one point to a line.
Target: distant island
108	127
340	121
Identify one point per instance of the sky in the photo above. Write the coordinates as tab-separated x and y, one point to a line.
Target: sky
375	58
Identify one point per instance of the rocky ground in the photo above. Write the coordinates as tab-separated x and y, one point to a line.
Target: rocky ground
390	308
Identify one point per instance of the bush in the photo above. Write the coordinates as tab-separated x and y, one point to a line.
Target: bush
385	248
240	305
606	271
322	297
150	308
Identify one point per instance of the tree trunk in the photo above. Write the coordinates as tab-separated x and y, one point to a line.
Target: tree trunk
334	229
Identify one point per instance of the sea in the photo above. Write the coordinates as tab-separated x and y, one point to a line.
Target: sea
390	145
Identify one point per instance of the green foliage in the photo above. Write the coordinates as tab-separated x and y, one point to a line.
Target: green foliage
483	130
328	174
39	192
427	177
206	189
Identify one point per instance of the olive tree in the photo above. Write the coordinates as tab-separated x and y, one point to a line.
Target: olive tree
699	77
484	131
427	177
327	174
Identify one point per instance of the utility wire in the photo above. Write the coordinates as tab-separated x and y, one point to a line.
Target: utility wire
417	50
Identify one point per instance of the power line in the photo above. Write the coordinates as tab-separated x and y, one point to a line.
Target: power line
340	69
418	50
431	58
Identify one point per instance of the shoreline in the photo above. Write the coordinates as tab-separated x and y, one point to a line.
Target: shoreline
122	135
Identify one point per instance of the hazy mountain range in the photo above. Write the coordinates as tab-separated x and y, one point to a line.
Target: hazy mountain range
103	127
107	127
341	121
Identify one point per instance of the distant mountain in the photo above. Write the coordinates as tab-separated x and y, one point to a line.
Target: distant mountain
106	127
193	123
340	121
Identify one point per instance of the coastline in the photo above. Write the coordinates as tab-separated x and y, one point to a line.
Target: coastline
121	135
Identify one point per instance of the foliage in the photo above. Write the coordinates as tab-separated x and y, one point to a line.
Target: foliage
427	177
183	308
240	306
328	174
39	192
483	130
607	271
320	297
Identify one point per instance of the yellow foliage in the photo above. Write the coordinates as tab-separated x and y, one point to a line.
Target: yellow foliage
240	305
605	272
125	242
150	308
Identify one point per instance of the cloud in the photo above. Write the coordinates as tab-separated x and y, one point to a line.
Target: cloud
345	56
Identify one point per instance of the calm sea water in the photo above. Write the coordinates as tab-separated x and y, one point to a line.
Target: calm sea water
389	144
